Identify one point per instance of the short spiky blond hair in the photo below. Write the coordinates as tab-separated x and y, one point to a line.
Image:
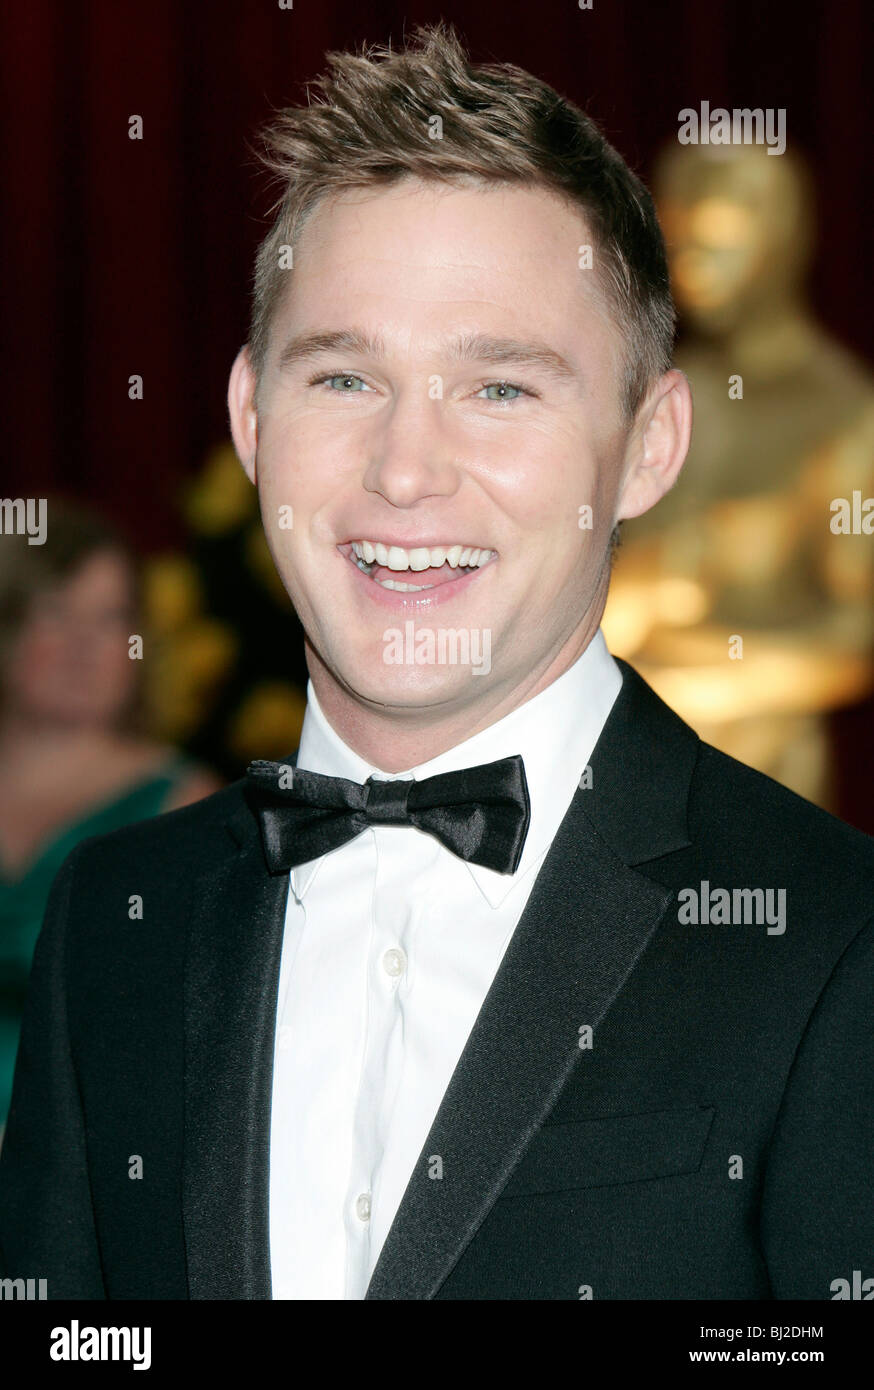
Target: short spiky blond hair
371	126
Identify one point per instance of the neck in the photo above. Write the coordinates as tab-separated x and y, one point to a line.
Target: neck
394	739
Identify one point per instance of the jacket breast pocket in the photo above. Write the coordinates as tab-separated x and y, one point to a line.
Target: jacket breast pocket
612	1149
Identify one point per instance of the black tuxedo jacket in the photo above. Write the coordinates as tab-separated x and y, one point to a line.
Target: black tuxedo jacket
713	1141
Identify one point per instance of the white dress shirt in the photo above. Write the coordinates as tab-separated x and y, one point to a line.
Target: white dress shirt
391	943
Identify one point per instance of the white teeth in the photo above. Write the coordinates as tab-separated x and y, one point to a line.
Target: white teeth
403	588
396	557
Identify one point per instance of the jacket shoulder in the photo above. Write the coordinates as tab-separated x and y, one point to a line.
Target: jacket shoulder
191	835
734	806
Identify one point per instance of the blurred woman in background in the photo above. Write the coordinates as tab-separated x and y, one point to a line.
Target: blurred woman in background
73	759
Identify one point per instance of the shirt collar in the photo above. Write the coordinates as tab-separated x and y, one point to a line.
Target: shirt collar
555	732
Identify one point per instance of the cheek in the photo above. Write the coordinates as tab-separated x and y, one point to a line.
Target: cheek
296	468
543	488
38	669
39	654
113	661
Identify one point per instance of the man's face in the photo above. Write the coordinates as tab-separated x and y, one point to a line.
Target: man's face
405	443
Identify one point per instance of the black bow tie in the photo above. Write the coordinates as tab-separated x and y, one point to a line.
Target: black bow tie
481	813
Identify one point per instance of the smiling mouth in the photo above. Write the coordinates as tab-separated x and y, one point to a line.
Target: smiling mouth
437	565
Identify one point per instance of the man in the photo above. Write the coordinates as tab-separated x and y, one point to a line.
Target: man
587	1014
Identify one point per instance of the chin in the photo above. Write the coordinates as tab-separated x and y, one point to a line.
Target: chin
411	687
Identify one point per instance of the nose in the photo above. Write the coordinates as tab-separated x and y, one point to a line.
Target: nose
412	457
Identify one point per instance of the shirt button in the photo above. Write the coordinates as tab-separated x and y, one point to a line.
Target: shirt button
394	962
362	1206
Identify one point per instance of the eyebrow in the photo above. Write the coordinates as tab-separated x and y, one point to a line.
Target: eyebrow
467	347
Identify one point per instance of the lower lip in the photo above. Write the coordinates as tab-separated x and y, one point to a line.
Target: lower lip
422	601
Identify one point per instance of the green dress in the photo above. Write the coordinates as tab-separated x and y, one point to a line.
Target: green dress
23	901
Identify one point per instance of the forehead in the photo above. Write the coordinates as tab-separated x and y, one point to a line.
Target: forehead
424	257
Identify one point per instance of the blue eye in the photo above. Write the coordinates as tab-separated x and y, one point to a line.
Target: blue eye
347	387
346	376
503	386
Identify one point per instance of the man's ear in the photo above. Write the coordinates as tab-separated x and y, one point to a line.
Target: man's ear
657	446
242	410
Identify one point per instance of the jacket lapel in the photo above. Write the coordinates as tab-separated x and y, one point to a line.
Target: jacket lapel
588	919
231	982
